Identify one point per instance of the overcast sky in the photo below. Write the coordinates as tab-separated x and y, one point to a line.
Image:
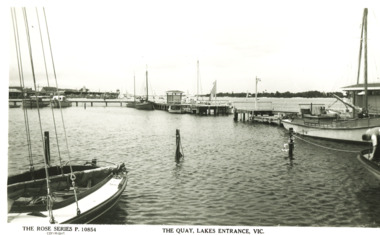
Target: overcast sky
290	45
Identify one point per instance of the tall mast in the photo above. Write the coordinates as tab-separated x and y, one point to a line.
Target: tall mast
257	80
146	81
134	87
361	46
197	79
365	59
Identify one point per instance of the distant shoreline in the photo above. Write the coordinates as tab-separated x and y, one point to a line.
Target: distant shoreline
306	94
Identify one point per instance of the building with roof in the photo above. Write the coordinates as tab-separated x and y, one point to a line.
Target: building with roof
357	95
174	97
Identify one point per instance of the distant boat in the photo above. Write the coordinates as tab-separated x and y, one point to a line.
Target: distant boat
316	121
60	101
14	105
145	104
175	108
35	101
131	104
65	193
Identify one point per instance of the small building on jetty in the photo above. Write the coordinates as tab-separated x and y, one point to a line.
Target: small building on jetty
356	94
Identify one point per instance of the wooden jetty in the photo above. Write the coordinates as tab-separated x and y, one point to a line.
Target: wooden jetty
262	112
262	116
205	109
82	101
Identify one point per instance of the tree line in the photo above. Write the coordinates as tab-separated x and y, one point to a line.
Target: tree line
287	94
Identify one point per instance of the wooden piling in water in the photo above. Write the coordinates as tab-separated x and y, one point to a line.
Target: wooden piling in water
178	154
47	147
291	143
235	115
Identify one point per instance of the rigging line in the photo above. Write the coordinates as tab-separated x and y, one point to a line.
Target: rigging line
47	78
56	83
318	145
48	204
72	176
21	77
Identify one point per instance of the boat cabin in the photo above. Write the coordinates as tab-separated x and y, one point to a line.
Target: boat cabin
356	93
59	98
174	97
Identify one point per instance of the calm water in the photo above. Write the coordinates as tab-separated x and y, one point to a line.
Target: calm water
234	173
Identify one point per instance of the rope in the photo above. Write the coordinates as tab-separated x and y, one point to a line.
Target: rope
39	115
318	145
22	84
60	108
47	78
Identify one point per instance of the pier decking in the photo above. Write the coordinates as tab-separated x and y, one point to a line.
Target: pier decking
205	108
81	101
262	116
198	109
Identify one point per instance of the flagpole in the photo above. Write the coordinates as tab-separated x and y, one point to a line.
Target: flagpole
215	91
257	79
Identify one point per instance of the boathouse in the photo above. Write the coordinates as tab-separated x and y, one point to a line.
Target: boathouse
174	97
356	93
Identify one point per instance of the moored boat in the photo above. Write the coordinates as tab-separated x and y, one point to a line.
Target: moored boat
96	190
131	104
316	121
175	108
144	105
60	101
14	105
34	102
66	193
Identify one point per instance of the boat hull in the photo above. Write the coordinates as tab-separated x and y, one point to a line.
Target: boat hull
373	167
33	103
131	104
93	202
351	132
175	109
65	104
144	106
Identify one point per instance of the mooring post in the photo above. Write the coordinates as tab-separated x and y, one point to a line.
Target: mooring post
178	154
243	117
47	147
235	115
84	105
291	143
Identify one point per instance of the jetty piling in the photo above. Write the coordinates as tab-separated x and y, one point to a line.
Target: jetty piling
178	154
47	147
291	143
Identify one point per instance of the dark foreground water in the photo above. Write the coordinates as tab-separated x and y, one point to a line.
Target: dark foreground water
234	173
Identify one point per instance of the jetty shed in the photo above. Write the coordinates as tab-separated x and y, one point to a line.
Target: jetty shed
356	93
174	97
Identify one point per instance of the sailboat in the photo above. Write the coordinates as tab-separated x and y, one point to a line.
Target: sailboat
66	193
145	104
133	103
316	121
